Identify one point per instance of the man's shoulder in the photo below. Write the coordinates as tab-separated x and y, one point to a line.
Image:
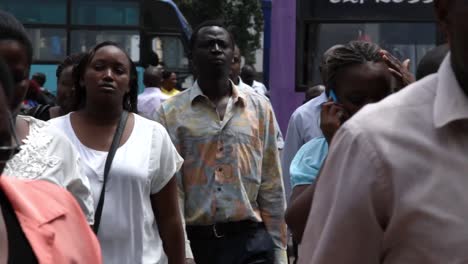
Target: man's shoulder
180	99
253	96
258	84
148	124
311	108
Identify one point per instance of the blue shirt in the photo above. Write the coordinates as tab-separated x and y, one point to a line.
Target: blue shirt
304	125
306	164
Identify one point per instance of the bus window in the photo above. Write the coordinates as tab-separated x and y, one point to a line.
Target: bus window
59	28
34	11
170	50
404	40
49	44
83	40
105	12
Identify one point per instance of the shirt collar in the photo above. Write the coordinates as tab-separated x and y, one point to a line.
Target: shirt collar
238	96
322	98
241	83
451	103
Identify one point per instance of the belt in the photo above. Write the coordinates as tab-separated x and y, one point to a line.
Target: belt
221	230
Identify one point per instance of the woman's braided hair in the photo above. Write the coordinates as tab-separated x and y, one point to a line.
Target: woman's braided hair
343	56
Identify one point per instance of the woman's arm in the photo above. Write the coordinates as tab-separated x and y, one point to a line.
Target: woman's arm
298	210
166	212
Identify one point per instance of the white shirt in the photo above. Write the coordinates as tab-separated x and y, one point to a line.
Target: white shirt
259	88
150	100
304	125
141	167
47	154
394	186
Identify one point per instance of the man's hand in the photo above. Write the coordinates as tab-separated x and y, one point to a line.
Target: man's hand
331	118
401	71
189	261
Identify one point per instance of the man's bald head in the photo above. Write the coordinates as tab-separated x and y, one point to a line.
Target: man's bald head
153	76
248	74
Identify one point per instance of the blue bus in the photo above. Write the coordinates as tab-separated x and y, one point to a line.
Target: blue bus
58	28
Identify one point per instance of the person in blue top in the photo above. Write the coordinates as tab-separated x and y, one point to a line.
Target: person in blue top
358	73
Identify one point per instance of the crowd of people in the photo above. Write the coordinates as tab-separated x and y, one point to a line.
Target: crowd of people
373	164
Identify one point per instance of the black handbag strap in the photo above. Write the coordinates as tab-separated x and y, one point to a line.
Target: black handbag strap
110	156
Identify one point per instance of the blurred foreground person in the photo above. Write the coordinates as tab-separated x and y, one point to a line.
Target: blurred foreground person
393	187
39	221
45	153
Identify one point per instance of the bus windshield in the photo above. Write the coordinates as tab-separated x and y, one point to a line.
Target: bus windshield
58	28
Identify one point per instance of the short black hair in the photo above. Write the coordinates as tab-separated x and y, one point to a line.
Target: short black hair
208	23
12	29
150	76
71	60
431	61
130	99
167	74
248	70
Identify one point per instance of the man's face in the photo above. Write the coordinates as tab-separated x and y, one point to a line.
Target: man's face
213	52
453	19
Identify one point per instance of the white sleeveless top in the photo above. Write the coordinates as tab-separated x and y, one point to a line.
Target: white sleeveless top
141	167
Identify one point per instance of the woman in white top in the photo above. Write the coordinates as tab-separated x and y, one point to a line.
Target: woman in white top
45	153
140	222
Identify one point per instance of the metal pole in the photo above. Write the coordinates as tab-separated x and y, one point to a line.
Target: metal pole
266	8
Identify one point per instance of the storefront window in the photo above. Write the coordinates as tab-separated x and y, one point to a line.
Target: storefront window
105	12
83	40
49	44
170	50
37	11
404	40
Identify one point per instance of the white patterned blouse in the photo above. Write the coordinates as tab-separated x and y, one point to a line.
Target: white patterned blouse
47	154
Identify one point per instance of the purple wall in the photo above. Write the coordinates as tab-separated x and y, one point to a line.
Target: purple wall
283	61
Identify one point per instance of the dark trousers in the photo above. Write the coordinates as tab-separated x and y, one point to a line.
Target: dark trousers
250	246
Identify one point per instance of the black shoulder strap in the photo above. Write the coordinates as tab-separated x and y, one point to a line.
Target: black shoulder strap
110	157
